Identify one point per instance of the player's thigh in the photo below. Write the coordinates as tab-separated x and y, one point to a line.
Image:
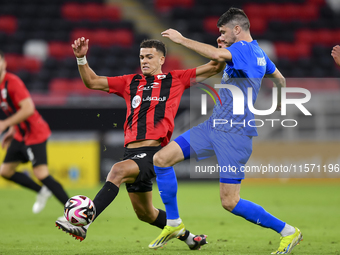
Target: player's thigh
169	155
232	152
123	171
142	205
8	169
196	142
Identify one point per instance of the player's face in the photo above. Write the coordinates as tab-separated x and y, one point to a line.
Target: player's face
2	66
151	61
227	35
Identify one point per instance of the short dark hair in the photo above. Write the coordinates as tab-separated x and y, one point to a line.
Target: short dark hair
152	43
234	15
2	55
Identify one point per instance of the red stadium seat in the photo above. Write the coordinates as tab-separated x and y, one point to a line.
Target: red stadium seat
210	25
101	37
59	86
270	11
122	37
305	36
258	25
92	11
309	12
60	50
324	37
13	61
72	11
81	32
8	24
111	12
48	99
163	5
32	65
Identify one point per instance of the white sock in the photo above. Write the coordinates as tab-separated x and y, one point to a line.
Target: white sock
190	240
174	223
287	230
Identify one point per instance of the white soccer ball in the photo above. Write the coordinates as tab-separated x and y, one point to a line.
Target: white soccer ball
79	211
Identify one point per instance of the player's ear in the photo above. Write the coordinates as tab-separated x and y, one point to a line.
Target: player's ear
162	60
237	29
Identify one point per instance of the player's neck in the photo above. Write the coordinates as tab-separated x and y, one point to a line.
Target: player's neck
154	73
245	37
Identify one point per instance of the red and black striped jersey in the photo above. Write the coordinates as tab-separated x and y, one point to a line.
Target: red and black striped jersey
34	129
152	103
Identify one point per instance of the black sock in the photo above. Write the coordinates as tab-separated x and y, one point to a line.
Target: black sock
24	180
104	197
160	221
56	189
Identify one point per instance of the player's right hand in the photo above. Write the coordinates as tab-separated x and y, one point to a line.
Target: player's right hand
80	47
336	54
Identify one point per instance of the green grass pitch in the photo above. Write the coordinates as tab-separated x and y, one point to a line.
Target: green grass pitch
313	207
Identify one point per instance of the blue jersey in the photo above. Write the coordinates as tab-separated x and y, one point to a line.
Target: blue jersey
248	66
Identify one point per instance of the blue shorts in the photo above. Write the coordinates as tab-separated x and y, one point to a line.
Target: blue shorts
232	150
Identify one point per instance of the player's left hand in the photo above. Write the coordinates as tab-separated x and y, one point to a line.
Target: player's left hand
336	54
173	35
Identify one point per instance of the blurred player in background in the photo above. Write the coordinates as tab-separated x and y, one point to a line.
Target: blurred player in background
152	100
232	144
336	54
25	139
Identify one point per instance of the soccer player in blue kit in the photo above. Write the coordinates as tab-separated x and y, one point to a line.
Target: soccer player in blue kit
246	65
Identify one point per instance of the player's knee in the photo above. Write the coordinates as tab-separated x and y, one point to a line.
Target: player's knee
159	159
229	203
117	173
5	173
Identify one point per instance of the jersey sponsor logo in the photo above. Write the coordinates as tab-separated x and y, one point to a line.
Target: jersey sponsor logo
261	61
160	99
136	101
242	43
153	85
4	93
161	76
139	156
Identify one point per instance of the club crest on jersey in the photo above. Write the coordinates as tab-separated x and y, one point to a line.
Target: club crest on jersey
4	93
148	98
136	101
161	76
153	85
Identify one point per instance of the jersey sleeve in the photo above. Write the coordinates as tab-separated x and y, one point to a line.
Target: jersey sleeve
187	77
117	84
17	90
237	54
270	67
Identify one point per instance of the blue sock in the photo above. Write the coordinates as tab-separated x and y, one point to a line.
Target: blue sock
167	186
256	214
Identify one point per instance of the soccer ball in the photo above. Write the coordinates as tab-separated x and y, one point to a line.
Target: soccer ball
79	211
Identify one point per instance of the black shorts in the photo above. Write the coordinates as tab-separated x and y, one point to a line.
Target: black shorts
143	157
19	152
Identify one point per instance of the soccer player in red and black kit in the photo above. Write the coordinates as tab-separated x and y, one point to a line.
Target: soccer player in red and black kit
152	100
25	139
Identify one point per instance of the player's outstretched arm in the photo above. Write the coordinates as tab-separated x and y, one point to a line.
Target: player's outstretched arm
26	110
280	82
336	54
89	77
206	50
213	67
